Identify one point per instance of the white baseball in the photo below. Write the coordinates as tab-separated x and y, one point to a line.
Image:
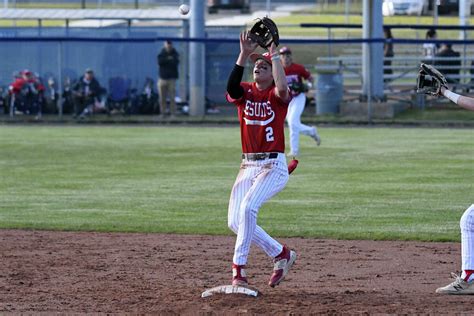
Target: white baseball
183	9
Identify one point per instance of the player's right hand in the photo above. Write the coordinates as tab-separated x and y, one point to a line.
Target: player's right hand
247	46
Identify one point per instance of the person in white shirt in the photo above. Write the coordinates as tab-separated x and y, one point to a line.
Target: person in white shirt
430	49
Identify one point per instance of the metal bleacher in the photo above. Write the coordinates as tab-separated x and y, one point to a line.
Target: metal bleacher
405	66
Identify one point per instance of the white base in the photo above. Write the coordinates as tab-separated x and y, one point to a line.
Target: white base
230	289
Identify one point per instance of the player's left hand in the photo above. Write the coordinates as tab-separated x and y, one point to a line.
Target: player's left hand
265	32
272	49
430	81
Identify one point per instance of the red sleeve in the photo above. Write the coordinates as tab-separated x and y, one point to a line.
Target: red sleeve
245	86
230	100
304	72
17	85
39	86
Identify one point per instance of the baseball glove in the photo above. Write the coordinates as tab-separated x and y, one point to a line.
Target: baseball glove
265	32
298	87
430	80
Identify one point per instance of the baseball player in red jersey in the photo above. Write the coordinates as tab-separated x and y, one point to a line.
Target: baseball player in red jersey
295	74
262	107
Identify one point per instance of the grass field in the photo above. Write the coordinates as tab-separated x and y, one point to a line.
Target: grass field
368	183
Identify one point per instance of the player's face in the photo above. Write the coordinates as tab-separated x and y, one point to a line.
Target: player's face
286	59
262	71
89	75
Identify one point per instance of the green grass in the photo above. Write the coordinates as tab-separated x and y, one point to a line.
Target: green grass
434	114
370	183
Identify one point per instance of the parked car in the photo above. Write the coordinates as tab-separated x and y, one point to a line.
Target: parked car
404	7
214	5
448	6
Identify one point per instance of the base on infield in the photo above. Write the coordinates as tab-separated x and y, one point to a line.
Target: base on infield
230	289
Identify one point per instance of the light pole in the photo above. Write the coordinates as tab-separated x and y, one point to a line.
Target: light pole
269	7
435	11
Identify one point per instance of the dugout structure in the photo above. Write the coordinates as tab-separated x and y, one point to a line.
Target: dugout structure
113	43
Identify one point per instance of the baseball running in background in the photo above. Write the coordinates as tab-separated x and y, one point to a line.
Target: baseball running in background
298	78
262	107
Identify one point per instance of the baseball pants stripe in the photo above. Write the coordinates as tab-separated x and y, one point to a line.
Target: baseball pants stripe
256	183
467	239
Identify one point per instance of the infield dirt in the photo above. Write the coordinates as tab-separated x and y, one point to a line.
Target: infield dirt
82	272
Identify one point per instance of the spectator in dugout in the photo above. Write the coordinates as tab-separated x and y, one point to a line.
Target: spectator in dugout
86	93
388	53
27	93
448	62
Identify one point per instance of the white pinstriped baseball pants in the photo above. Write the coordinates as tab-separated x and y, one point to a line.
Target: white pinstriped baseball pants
293	117
256	183
467	239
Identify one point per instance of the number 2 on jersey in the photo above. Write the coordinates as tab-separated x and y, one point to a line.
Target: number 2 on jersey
269	134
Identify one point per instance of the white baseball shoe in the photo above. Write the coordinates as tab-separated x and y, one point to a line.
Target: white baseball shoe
316	136
459	286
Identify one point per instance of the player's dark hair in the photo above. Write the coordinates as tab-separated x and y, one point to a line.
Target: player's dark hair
388	32
431	33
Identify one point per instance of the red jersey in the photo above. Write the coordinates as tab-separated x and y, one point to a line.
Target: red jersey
22	85
262	119
295	73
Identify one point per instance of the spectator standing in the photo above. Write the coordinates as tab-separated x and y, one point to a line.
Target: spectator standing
68	100
86	92
387	52
168	61
296	74
448	62
51	97
430	49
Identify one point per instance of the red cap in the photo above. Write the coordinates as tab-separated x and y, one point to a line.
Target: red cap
26	72
265	56
285	50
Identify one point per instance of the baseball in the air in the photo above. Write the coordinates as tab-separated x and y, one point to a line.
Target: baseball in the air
183	9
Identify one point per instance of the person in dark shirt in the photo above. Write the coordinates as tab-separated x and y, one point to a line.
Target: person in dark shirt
168	61
85	93
387	53
448	67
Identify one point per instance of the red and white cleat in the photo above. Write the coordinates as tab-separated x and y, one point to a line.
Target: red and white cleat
283	263
239	277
